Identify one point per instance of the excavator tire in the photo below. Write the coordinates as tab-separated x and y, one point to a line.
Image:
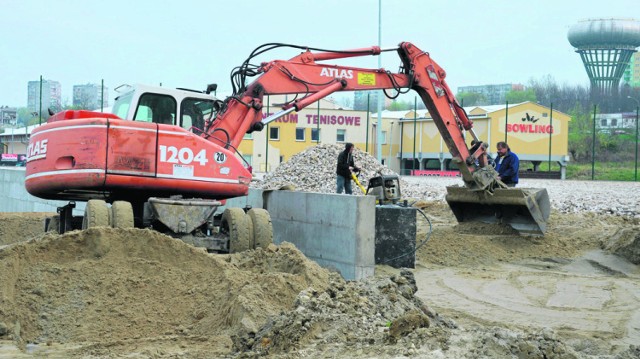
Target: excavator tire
96	214
121	215
54	224
234	223
262	228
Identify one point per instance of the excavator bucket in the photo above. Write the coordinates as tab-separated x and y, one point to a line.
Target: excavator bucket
524	209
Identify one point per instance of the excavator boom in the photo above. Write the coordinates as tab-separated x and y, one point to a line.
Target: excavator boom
483	198
184	142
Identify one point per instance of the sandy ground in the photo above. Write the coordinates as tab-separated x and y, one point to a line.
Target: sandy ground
478	291
567	281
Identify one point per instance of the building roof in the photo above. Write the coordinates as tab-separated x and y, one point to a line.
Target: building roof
408	114
8	132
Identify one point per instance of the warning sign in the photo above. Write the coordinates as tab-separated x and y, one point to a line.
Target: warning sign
366	79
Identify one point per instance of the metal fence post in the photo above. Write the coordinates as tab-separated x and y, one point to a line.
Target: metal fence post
593	145
415	119
550	134
506	121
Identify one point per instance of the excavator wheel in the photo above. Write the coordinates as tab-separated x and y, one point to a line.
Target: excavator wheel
96	214
262	229
234	223
121	215
54	224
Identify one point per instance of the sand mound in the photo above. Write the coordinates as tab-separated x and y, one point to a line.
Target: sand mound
471	243
18	227
625	242
105	286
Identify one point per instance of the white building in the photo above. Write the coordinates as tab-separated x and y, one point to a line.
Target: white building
612	122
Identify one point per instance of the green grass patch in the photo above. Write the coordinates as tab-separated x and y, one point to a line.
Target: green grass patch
604	171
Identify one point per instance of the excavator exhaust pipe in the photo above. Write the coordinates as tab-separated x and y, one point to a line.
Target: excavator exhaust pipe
524	209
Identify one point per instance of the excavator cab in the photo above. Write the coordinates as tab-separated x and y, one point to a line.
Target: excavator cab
189	109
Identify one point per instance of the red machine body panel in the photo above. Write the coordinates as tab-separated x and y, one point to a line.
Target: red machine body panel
67	154
81	159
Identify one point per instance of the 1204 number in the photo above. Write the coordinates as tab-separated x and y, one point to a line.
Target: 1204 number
185	156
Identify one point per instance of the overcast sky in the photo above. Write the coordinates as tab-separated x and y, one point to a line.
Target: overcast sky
191	43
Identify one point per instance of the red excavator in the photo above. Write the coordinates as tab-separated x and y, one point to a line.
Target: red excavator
167	159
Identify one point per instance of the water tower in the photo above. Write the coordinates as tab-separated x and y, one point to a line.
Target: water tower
605	46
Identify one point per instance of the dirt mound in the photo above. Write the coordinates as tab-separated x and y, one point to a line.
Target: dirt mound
452	244
18	227
625	242
111	286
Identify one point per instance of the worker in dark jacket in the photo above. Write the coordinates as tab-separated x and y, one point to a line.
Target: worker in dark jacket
507	165
344	168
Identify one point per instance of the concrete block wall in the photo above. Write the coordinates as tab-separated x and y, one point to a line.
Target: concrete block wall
15	198
336	231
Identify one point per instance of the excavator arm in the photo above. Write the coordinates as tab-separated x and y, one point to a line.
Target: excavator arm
484	197
306	74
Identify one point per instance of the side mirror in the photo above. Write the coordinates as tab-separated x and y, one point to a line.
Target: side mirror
211	88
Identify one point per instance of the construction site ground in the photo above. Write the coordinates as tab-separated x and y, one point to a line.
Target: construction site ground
478	290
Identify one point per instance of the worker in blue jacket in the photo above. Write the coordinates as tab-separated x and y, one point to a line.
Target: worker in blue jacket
507	165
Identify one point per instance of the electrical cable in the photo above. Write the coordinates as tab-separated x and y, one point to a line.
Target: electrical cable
397	87
241	73
419	245
226	144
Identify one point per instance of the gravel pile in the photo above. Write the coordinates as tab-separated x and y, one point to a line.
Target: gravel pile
568	196
313	170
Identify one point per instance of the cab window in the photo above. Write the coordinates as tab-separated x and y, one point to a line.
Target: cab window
122	104
156	108
194	112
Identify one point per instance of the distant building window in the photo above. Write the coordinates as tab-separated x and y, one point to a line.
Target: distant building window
614	122
300	134
274	133
281	159
249	159
315	134
603	123
384	138
340	135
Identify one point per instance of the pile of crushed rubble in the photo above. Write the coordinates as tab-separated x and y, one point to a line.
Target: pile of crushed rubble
313	170
381	317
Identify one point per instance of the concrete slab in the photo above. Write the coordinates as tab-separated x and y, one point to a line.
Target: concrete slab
336	231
